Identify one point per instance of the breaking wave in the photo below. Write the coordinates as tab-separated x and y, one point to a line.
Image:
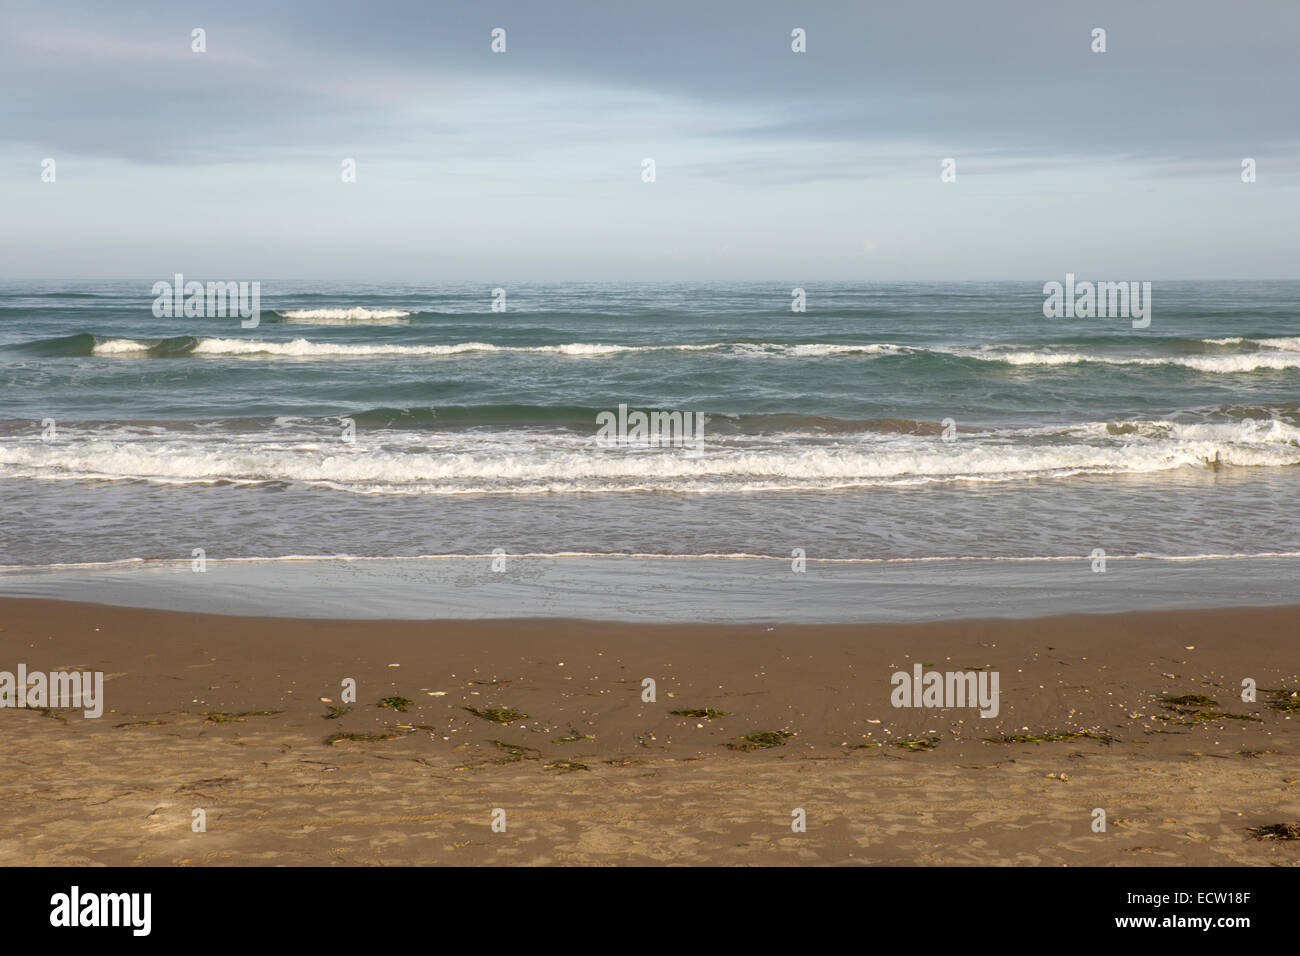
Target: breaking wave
518	461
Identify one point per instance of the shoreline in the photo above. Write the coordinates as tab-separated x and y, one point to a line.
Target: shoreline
225	714
700	589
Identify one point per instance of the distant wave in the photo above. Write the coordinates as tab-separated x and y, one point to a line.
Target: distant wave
1268	354
121	347
352	316
1289	343
1285	344
815	350
1235	362
58	295
303	348
85	343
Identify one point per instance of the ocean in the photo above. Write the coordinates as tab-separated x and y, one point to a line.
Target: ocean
889	425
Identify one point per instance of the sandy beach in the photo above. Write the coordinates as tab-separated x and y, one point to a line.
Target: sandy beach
1137	714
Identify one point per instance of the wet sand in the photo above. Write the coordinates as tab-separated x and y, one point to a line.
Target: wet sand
225	714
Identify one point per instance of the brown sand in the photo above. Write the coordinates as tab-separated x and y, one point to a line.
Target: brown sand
641	785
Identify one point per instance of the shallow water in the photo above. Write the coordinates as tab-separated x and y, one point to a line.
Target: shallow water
887	421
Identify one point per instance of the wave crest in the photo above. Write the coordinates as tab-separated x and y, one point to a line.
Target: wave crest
352	316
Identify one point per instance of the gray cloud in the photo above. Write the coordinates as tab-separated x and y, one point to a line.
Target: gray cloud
1179	79
824	163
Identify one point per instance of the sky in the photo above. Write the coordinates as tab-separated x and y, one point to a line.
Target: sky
769	164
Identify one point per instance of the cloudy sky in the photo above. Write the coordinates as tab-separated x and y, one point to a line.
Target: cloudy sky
769	163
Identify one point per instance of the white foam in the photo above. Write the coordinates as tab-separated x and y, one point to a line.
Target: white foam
304	348
1237	362
122	346
1245	432
816	350
524	462
354	316
1285	344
